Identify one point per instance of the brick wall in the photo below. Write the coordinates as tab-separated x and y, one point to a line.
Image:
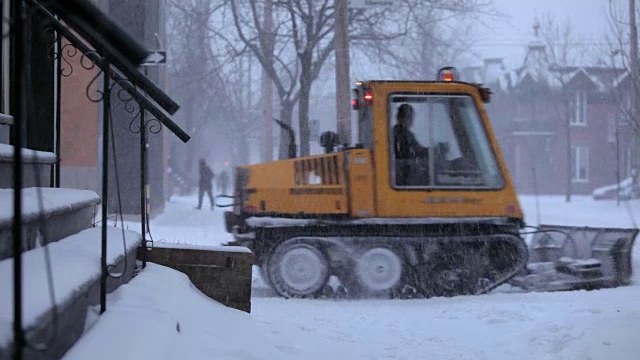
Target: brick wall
535	137
79	123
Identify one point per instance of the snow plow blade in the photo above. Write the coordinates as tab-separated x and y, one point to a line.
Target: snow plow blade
565	258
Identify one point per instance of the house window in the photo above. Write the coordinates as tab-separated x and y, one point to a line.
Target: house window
580	163
612	128
580	113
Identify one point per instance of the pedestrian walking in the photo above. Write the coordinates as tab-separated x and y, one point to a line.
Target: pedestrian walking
205	184
223	182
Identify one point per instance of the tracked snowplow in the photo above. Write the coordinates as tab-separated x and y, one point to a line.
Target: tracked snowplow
422	206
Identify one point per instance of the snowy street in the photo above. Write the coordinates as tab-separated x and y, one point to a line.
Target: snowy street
600	324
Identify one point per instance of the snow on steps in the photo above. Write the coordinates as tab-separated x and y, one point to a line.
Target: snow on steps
34	163
75	264
65	211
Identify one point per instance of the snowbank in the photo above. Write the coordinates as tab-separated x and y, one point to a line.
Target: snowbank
160	315
603	191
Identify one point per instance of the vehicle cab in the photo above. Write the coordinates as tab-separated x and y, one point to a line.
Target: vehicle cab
434	151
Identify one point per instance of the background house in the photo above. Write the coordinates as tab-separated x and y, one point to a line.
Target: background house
561	128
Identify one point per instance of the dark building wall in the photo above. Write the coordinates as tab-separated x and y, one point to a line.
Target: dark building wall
143	19
40	119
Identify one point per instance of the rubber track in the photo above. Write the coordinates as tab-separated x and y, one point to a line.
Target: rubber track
268	239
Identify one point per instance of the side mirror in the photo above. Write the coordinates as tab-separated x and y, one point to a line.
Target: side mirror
485	94
355	102
329	140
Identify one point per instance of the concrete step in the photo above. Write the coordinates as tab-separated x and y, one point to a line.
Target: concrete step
6	121
37	167
49	214
75	274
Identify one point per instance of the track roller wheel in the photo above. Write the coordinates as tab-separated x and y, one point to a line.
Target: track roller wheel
449	275
379	269
298	270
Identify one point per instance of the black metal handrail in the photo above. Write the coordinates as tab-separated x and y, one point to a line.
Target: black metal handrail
19	108
115	69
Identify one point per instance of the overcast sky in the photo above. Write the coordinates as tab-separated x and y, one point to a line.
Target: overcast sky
507	37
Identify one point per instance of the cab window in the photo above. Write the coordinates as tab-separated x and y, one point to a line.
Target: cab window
439	141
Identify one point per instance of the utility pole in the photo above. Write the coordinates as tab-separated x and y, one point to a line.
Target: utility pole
633	33
343	82
267	87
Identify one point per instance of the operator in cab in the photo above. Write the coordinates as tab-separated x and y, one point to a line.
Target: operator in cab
407	149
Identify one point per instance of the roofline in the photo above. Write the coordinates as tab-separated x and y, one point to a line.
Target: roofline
417	82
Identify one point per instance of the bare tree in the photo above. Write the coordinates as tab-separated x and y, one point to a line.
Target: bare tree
438	33
293	53
621	51
208	83
187	44
268	47
563	50
311	27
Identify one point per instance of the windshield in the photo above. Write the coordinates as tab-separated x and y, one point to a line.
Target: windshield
439	141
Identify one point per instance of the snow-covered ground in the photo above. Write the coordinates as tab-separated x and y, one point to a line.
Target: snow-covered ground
600	324
161	315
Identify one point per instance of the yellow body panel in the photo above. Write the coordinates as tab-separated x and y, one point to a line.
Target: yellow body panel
435	203
309	185
361	183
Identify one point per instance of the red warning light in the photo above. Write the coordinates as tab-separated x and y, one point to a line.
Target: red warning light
447	75
368	97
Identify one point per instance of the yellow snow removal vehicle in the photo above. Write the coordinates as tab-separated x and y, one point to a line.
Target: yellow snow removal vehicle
423	205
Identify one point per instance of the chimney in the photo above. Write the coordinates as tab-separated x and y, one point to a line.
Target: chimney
492	69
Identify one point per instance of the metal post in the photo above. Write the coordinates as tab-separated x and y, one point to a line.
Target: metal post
106	103
58	102
267	87
143	183
535	192
343	82
617	163
635	75
19	113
